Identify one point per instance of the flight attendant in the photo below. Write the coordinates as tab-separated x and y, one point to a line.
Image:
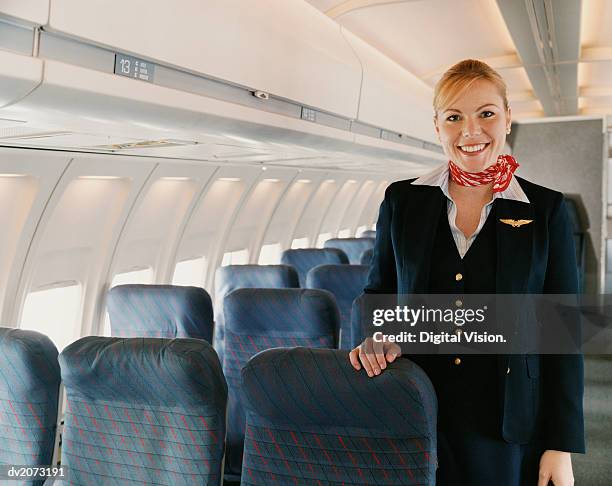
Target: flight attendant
502	420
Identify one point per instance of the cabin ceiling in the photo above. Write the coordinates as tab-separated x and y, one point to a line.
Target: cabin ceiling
555	55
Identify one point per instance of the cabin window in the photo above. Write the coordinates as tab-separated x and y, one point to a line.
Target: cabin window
190	272
239	257
138	276
270	254
323	237
344	233
54	312
300	243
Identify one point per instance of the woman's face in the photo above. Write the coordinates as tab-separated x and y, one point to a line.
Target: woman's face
472	129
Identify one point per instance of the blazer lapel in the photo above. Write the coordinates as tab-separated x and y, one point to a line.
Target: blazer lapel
419	226
514	245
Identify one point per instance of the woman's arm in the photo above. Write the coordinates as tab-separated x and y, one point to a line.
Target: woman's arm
382	278
563	375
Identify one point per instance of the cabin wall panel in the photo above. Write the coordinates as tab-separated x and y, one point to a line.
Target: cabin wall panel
150	239
76	232
369	215
317	207
26	184
573	160
338	207
213	213
290	209
355	209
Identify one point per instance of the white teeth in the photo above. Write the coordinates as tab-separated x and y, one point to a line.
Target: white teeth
472	148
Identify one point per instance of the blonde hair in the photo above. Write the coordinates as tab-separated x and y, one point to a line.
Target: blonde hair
460	77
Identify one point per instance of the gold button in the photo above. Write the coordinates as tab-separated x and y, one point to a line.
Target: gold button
458	302
458	277
508	371
457	361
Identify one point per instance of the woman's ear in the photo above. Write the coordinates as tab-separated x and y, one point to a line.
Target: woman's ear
436	127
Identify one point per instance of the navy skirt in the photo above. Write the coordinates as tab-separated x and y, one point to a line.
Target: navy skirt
471	449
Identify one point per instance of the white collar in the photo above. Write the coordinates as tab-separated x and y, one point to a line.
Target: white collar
439	177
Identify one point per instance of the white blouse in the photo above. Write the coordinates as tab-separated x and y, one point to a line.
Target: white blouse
439	177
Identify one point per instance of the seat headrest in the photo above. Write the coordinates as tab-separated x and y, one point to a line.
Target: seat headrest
167	372
28	362
306	312
319	387
163	311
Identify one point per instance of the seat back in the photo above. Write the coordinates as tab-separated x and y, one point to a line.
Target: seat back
304	259
353	247
358	321
368	234
146	410
161	311
366	256
258	319
346	282
313	419
232	277
29	388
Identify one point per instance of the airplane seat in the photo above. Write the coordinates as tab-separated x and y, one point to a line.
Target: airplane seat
368	234
258	319
353	247
360	327
29	389
144	410
313	419
304	259
161	311
346	282
366	256
232	277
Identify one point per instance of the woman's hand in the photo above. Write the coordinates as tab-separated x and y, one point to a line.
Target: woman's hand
374	356
556	466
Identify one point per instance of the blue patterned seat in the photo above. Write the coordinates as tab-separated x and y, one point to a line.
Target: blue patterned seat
346	282
312	419
29	387
232	277
143	410
258	319
353	247
366	256
162	311
304	259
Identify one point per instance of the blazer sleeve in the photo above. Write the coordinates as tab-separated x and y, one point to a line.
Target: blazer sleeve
563	375
382	278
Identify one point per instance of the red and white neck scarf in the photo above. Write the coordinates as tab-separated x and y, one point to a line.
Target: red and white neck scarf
500	174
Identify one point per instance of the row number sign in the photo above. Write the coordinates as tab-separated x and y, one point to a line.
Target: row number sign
132	67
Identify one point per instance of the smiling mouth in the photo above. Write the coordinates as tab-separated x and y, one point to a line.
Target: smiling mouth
473	149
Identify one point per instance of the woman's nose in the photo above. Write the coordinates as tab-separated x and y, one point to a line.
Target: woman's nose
471	128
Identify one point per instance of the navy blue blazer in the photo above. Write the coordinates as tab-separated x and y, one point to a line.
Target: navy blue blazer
543	393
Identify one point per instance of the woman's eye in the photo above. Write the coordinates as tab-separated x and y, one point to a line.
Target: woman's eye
487	114
452	118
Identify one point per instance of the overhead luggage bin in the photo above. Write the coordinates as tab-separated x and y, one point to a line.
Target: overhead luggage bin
19	75
285	48
392	97
32	11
